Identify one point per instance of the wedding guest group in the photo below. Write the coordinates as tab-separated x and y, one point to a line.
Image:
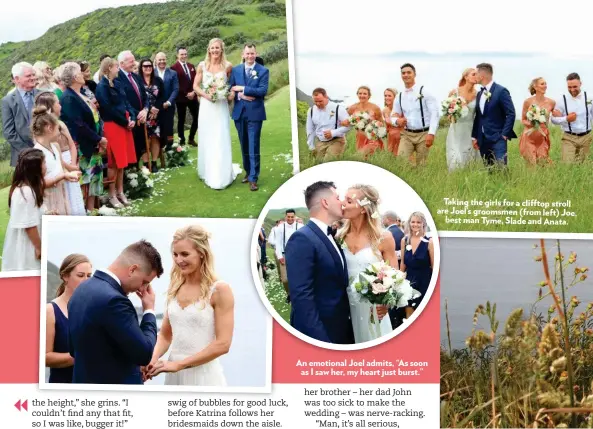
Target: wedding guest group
478	112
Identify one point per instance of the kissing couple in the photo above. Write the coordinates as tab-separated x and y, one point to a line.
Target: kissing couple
110	347
320	269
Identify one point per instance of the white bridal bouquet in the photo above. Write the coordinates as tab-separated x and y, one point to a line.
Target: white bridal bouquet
537	116
454	108
381	284
375	130
359	120
216	87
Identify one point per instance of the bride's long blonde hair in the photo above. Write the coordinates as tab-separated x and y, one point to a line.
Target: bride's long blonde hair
372	224
198	236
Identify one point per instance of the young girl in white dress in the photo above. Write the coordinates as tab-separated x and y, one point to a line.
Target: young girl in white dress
199	320
22	243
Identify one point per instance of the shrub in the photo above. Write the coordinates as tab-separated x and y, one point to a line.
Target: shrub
268	37
302	111
233	10
4	151
276	53
272	9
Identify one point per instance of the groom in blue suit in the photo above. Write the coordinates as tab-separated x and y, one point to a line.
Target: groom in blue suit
249	83
106	342
317	271
495	118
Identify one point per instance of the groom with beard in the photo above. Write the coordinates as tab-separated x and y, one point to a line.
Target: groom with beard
106	342
317	271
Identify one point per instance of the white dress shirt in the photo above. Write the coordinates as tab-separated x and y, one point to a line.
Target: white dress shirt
483	98
281	231
325	119
412	112
96	77
323	227
161	73
272	237
576	105
114	277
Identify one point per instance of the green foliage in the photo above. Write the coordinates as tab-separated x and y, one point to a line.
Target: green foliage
269	37
302	112
4	151
233	10
272	9
197	43
276	53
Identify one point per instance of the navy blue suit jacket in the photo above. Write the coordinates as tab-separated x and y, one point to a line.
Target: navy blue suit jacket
79	119
130	92
113	103
317	284
255	86
106	341
171	82
398	235
498	118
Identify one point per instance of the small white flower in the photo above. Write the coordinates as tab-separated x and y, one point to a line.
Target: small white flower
149	183
145	171
409	247
487	94
419	97
107	211
375	215
132	176
134	183
360	125
388	282
364	202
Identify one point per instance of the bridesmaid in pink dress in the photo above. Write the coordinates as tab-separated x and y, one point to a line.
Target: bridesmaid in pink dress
363	144
534	145
393	133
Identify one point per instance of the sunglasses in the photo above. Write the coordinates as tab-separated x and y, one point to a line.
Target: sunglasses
146	66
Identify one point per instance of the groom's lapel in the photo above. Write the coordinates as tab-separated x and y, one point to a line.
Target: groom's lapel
330	247
489	102
100	275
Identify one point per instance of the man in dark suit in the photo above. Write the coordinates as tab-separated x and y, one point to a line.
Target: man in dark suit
187	97
317	271
392	222
167	114
136	95
495	118
249	82
106	342
17	109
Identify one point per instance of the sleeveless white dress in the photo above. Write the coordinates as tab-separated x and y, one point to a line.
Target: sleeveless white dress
215	157
193	331
360	311
460	150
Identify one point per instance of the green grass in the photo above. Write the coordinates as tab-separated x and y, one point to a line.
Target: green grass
433	182
275	289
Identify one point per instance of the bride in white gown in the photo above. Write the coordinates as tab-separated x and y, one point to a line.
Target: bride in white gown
215	156
365	242
199	318
460	150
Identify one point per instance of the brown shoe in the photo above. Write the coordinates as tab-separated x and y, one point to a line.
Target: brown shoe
193	143
253	186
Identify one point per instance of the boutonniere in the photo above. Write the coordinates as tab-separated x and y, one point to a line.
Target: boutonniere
253	74
332	114
419	97
487	94
589	102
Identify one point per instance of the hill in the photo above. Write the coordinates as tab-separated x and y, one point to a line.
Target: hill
148	28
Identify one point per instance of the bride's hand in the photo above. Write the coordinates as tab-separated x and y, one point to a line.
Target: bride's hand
163	366
381	311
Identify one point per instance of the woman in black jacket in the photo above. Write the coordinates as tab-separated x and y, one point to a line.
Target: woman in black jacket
118	125
155	92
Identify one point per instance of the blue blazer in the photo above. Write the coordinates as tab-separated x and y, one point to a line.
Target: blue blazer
106	342
171	82
130	92
79	119
113	103
398	235
255	86
317	283
498	118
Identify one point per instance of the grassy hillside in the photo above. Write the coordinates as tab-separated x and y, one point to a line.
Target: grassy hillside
148	28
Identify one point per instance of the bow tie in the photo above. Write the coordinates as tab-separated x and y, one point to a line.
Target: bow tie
331	231
484	88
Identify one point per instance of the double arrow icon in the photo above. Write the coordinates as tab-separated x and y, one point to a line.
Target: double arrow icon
22	405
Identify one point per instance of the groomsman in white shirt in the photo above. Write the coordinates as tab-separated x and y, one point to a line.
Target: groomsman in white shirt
283	233
416	112
325	134
574	114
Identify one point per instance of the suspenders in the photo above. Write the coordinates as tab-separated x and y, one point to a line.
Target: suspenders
421	107
296	227
337	110
586	113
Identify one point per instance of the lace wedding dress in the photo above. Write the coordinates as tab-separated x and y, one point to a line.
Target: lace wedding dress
193	330
360	311
460	150
215	157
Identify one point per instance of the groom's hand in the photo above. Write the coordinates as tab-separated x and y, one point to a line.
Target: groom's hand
282	261
147	297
